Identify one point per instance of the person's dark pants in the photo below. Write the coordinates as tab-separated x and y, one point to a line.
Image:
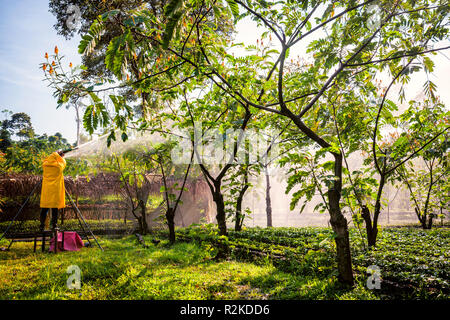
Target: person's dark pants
44	212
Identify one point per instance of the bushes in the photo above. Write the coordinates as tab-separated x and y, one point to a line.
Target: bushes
413	262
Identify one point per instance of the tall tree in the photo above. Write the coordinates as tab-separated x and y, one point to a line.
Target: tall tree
18	125
136	175
428	186
160	155
221	163
187	44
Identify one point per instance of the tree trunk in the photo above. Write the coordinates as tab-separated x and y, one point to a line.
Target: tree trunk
337	219
268	199
142	219
239	218
423	222
372	226
220	215
371	232
170	216
428	225
239	215
78	124
422	219
223	250
430	221
340	227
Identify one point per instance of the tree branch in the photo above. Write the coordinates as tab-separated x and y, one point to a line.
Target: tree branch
342	66
397	57
262	19
328	21
418	150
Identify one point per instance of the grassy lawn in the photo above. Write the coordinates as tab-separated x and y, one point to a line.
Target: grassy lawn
413	262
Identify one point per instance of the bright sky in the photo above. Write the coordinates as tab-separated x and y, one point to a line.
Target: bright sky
26	33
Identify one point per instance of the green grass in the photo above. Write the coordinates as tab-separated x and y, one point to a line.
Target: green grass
415	263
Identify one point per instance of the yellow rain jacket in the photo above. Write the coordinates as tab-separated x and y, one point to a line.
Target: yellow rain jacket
53	192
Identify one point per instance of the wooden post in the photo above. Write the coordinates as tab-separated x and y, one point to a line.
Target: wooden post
43	241
55	242
35	242
63	212
62	240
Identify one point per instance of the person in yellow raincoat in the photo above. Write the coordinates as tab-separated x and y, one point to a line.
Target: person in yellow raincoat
52	192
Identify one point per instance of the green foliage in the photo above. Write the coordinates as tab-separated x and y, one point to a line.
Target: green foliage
426	175
115	55
413	263
412	258
90	40
16	125
174	12
234	8
331	95
26	156
308	177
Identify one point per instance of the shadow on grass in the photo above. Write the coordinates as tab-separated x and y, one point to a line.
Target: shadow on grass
277	286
